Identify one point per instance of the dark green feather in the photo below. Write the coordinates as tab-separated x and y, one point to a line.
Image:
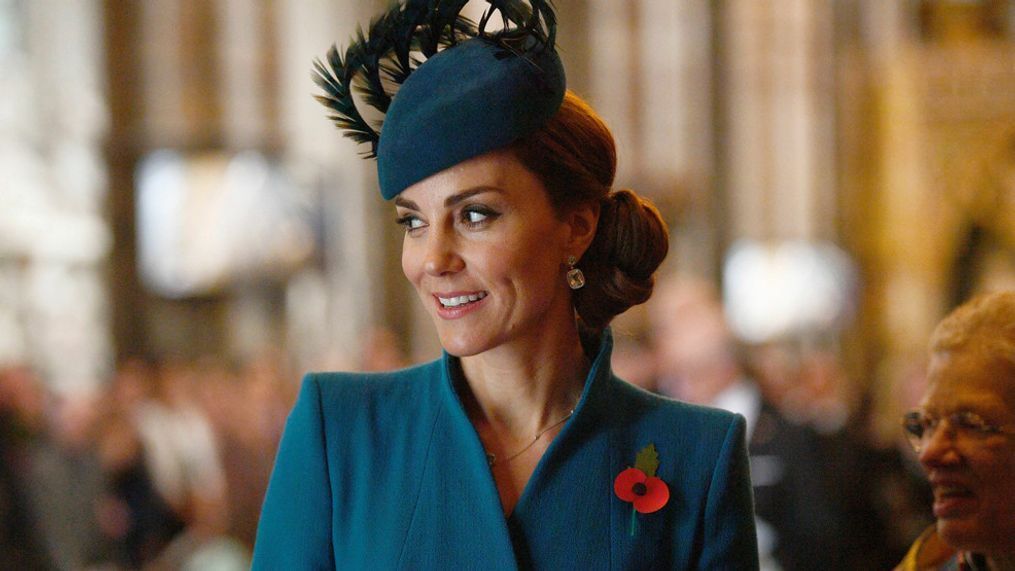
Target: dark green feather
381	57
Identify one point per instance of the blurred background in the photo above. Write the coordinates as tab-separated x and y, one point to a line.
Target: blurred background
183	234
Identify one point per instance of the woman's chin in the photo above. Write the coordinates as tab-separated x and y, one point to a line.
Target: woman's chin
969	535
461	346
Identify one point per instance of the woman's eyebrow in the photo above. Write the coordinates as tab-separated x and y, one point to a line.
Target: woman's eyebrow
469	193
451	200
406	203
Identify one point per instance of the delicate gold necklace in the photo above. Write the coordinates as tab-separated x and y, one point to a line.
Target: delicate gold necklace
491	458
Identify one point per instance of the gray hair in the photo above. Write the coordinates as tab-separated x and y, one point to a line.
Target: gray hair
985	324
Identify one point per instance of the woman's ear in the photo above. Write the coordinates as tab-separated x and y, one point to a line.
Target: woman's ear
582	221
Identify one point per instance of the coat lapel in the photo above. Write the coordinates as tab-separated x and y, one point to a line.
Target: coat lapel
457	521
562	520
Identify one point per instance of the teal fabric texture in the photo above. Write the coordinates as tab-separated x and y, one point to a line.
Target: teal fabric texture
385	471
469	99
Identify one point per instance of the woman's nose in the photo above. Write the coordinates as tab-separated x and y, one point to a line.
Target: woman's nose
442	255
938	447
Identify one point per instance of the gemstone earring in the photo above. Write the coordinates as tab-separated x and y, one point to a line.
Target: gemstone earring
575	277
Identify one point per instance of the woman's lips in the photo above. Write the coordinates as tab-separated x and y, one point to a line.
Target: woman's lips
953	500
453	305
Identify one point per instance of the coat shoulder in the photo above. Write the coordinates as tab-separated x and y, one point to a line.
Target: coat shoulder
695	439
638	405
358	411
392	387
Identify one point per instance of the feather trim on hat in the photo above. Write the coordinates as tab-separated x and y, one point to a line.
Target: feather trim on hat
380	59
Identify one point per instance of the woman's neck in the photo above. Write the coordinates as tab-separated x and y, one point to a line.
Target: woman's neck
519	390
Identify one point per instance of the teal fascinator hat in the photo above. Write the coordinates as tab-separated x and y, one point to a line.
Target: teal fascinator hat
448	89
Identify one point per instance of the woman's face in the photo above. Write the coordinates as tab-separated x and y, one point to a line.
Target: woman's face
486	253
973	477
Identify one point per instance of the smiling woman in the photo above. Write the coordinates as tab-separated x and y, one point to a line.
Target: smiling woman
964	434
505	452
485	250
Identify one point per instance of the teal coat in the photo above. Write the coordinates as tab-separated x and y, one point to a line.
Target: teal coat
385	471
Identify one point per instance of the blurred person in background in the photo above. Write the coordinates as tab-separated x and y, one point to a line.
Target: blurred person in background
871	482
246	408
381	351
167	501
880	483
180	447
964	434
798	520
872	477
52	481
775	366
68	484
181	451
823	399
22	545
519	447
133	514
634	361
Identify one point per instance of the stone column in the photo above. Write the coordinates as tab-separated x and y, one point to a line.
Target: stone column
780	116
355	288
246	51
53	235
677	126
650	66
613	89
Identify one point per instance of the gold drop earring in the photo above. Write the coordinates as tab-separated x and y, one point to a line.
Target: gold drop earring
575	277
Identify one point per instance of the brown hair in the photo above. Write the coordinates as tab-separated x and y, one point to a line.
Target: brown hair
575	157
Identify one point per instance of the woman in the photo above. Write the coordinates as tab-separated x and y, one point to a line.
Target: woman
518	448
964	434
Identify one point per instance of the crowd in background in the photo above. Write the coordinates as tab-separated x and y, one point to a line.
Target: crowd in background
167	467
831	490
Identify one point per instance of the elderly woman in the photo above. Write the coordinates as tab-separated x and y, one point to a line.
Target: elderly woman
964	434
518	447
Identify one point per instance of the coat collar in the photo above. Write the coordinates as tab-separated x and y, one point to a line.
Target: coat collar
456	455
591	402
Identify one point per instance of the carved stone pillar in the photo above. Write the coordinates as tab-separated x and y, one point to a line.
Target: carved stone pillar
361	274
650	69
54	238
779	143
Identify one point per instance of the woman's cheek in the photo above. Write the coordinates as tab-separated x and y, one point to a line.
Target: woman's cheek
411	262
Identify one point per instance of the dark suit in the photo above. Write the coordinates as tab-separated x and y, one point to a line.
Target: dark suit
385	471
792	495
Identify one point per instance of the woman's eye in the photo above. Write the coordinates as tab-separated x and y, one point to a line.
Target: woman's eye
971	421
475	216
410	222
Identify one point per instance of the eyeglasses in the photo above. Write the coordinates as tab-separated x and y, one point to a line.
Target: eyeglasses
920	426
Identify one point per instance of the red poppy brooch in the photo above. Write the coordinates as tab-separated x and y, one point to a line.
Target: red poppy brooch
641	487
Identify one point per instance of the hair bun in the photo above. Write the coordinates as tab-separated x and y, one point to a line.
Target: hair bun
636	224
630	243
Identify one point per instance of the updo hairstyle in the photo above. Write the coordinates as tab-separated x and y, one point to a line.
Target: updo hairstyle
575	158
985	325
